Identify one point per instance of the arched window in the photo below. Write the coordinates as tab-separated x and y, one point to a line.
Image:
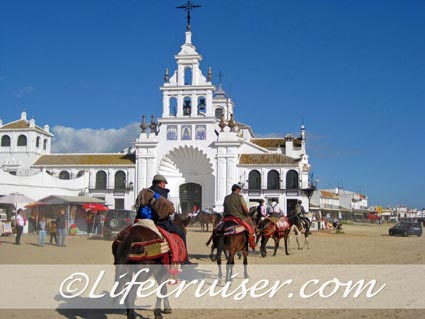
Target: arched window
188	76
173	106
22	140
101	180
64	175
119	180
292	179
5	140
273	180
37	141
45	144
218	113
187	106
254	180
202	106
80	173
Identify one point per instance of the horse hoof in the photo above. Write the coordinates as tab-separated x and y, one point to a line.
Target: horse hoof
157	314
167	311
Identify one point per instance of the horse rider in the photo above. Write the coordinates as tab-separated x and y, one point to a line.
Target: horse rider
275	210
261	212
235	205
145	212
300	211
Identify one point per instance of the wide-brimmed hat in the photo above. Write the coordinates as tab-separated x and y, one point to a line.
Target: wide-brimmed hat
159	178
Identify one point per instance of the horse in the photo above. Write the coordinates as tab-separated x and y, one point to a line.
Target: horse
232	243
143	244
300	225
267	228
204	218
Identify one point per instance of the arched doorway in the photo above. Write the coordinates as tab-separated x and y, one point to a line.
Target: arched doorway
190	195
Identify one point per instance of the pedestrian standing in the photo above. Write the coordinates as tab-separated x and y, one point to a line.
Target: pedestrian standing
42	225
52	230
20	222
61	228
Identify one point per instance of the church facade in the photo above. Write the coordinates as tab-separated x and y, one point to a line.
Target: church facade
197	144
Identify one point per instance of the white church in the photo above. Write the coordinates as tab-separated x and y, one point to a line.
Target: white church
197	144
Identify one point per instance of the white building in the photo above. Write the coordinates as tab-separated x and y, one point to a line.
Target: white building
197	144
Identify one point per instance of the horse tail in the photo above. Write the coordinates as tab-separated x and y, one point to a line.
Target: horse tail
123	249
209	240
220	246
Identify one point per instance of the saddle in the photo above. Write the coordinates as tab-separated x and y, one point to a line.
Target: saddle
230	226
169	246
281	224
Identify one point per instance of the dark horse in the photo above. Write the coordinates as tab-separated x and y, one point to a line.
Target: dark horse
231	243
135	241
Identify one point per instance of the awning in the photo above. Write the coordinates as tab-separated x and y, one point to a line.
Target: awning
63	200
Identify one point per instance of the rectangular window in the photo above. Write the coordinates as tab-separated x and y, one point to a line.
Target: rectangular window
172	132
201	132
186	132
119	203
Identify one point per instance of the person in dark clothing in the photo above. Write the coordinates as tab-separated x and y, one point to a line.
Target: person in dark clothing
20	223
158	187
61	228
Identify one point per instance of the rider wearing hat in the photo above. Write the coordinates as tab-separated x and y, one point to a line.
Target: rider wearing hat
158	186
235	205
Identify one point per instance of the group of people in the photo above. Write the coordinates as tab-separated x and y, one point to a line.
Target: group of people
57	229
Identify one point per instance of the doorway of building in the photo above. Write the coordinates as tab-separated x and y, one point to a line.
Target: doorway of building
290	205
190	195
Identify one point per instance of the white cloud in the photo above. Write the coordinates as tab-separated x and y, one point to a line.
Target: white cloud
86	140
24	91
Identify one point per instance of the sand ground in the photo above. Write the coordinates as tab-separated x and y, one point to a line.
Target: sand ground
360	244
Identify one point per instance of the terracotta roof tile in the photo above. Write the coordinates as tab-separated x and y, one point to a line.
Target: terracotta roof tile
85	159
256	159
21	124
328	194
269	142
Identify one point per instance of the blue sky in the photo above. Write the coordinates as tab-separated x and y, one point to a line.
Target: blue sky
353	71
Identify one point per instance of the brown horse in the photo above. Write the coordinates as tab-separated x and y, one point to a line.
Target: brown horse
267	228
122	250
204	218
136	241
232	244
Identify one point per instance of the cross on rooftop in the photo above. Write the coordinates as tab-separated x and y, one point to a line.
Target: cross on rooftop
188	6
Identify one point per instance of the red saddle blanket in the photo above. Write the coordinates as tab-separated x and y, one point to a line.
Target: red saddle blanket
231	225
171	247
177	247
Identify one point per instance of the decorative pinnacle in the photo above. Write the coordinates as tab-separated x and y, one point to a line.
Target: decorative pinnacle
166	77
209	79
222	125
143	126
232	123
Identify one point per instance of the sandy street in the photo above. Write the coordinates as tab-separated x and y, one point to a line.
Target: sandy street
367	244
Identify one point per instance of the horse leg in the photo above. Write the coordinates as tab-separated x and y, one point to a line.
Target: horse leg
276	244
285	238
306	240
162	277
129	302
264	241
229	265
220	248
245	263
